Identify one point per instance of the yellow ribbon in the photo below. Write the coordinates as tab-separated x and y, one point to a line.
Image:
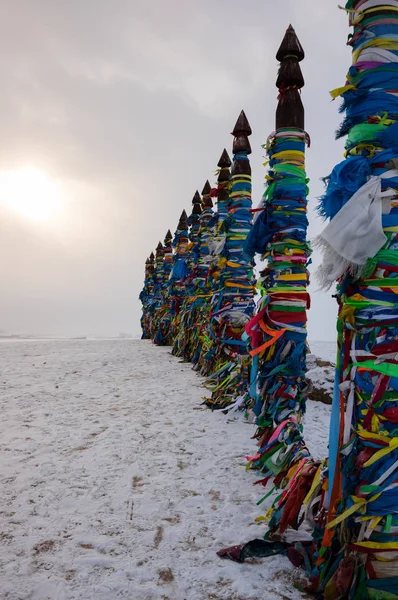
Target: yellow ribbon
294	277
381	453
339	91
315	483
384	43
378	545
233	265
240	285
286	154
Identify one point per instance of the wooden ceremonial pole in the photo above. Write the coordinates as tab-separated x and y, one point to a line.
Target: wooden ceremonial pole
158	289
201	292
278	332
232	305
146	297
179	273
359	554
163	326
185	336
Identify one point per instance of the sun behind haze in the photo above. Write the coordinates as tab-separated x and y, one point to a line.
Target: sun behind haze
31	194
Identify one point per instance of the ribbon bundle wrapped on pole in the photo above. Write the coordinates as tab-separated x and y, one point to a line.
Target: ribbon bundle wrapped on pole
179	272
146	297
278	331
163	325
359	555
194	224
158	290
168	256
201	292
232	305
186	336
223	185
351	500
217	246
204	237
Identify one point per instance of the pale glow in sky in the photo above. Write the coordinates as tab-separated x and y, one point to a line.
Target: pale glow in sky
112	114
30	193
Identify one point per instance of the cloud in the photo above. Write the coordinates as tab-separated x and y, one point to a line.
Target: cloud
128	105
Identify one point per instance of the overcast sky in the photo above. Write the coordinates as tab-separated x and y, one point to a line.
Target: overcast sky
126	105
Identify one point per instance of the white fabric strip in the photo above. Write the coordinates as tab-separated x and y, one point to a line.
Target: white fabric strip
354	234
377	55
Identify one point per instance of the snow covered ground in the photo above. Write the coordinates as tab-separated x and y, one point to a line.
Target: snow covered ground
324	350
116	483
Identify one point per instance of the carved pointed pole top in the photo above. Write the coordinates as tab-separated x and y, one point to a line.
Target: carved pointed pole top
206	198
150	262
224	176
241	146
241	133
290	46
290	111
183	222
225	161
196	204
168	238
242	125
196	198
206	189
159	250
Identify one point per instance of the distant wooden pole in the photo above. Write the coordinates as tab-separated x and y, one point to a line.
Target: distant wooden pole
163	315
158	288
185	323
179	272
233	306
146	297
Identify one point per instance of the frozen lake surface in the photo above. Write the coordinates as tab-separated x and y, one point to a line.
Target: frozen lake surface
117	483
